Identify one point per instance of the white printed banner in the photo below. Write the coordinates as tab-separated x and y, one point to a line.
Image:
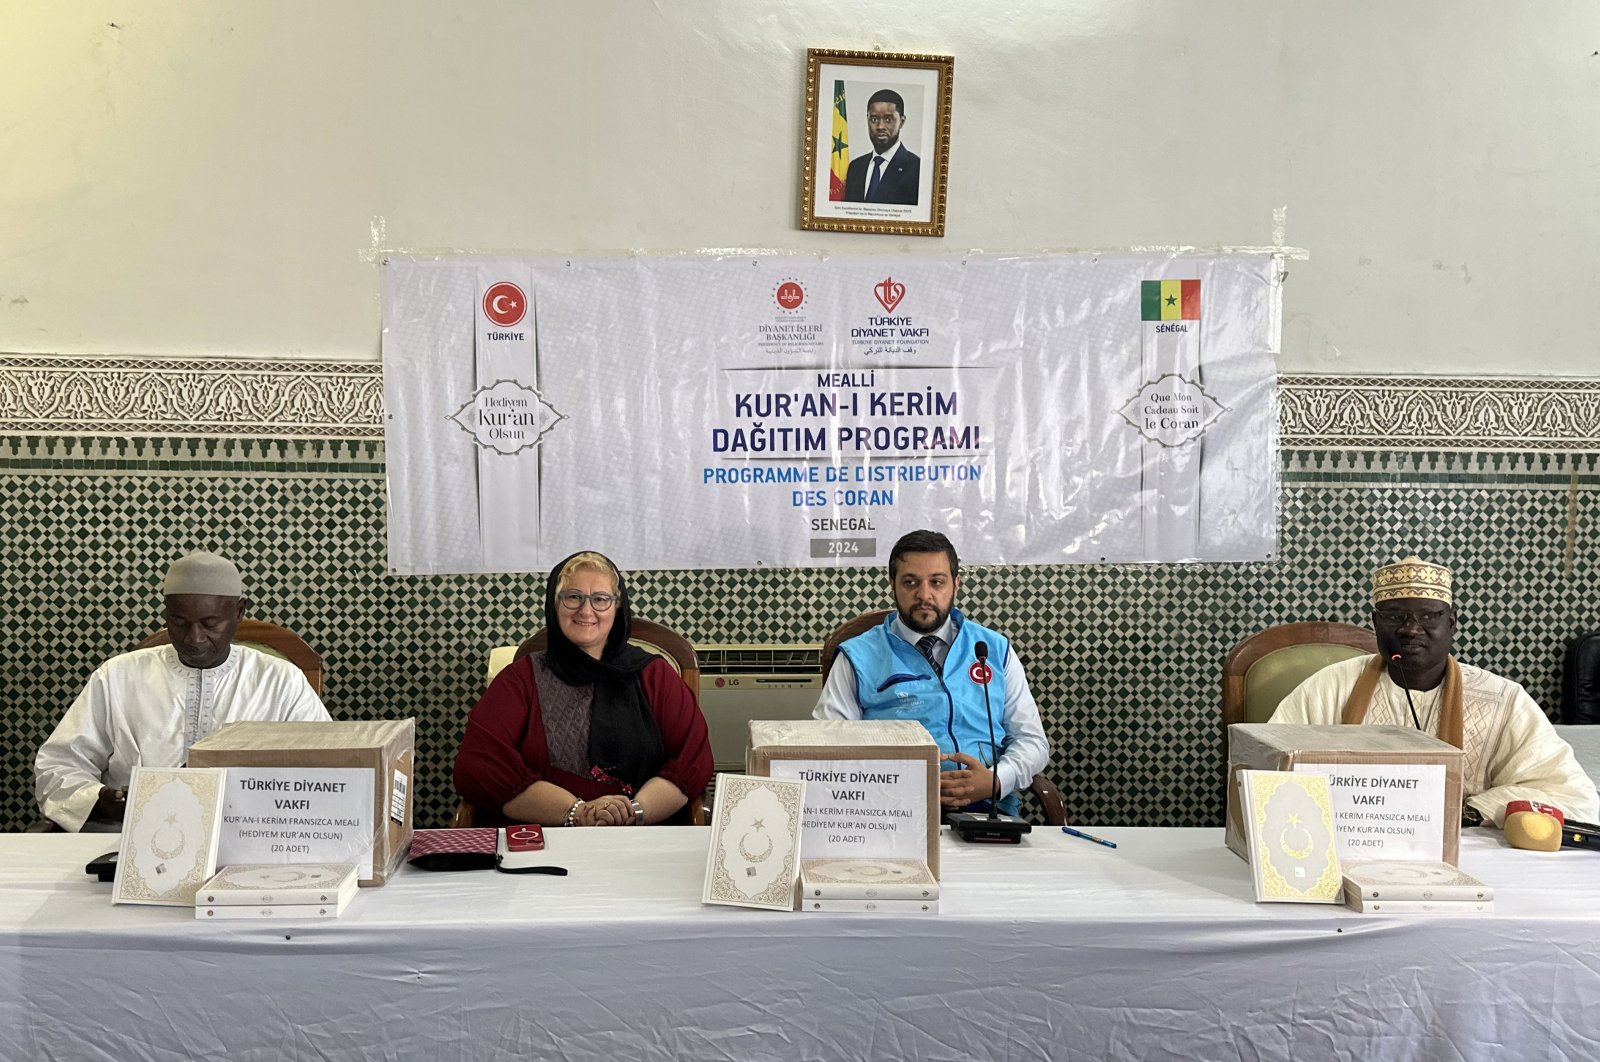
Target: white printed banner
742	412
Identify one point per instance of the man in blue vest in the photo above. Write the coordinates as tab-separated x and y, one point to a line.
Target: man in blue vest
921	663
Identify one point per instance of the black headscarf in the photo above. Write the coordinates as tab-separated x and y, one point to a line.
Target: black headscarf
624	740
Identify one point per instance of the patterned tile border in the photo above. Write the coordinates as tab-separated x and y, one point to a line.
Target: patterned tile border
98	454
1326	469
1334	468
90	395
1406	412
82	395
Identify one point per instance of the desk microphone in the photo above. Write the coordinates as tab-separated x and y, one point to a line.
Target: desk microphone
1405	684
993	828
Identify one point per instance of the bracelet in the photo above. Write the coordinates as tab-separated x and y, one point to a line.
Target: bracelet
638	813
572	813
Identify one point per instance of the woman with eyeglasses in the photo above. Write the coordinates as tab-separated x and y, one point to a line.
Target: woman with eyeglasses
591	732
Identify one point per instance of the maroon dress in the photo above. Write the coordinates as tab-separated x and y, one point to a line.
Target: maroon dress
508	743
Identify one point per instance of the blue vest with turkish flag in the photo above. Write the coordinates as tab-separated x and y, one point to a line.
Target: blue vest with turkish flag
895	681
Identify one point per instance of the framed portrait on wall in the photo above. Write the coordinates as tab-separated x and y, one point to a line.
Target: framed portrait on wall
877	142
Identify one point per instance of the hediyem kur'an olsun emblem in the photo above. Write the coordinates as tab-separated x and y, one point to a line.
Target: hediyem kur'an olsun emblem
1172	408
507	417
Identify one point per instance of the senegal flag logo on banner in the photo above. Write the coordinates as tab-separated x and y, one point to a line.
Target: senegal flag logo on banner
841	146
1170	300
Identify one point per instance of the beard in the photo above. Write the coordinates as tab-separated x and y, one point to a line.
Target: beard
908	618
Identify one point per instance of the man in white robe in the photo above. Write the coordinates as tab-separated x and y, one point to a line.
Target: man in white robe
1511	750
148	706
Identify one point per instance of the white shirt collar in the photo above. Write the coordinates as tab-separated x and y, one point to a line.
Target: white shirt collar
946	632
170	655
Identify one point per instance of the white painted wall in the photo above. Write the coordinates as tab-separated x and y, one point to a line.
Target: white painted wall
186	178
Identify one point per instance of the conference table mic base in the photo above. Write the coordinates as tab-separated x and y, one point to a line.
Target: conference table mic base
979	828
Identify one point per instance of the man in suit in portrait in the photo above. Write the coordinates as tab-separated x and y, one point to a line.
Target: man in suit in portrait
891	173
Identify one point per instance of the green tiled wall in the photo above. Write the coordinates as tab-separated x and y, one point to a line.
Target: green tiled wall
1124	659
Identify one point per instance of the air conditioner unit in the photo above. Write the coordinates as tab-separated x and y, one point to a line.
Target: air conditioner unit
739	683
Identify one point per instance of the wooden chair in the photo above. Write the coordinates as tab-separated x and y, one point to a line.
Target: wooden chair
1043	790
1263	669
269	638
647	635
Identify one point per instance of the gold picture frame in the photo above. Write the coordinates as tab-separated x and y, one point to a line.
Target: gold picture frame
885	117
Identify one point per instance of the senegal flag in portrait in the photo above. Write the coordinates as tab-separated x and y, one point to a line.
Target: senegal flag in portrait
841	146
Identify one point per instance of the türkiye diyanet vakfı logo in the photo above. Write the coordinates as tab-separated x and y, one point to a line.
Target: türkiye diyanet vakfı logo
507	417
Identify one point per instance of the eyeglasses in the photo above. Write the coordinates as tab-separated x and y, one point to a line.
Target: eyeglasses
1399	617
573	600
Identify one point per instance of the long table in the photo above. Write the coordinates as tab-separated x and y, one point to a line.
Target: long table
1056	949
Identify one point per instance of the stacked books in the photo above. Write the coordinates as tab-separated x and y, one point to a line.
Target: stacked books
304	891
884	886
1415	888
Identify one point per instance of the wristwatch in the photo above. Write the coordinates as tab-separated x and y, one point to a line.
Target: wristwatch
1470	816
638	813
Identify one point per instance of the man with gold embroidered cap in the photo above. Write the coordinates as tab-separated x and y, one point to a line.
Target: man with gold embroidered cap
1512	751
148	706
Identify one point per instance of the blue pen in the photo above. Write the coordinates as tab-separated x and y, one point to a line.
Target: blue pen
1088	837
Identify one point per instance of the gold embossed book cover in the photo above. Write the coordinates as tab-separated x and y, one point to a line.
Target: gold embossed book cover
170	835
1289	824
754	859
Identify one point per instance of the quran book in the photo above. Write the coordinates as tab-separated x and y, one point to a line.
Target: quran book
754	857
275	884
1359	903
169	835
304	912
867	879
888	907
1413	881
1289	826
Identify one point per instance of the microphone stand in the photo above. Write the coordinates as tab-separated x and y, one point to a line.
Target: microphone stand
993	828
1405	686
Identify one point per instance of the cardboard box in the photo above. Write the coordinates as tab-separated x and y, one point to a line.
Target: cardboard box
862	780
1279	746
385	745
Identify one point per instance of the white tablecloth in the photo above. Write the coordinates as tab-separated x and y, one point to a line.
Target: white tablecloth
1056	949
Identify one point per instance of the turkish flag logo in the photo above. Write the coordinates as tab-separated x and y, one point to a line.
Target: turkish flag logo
504	304
979	672
889	292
